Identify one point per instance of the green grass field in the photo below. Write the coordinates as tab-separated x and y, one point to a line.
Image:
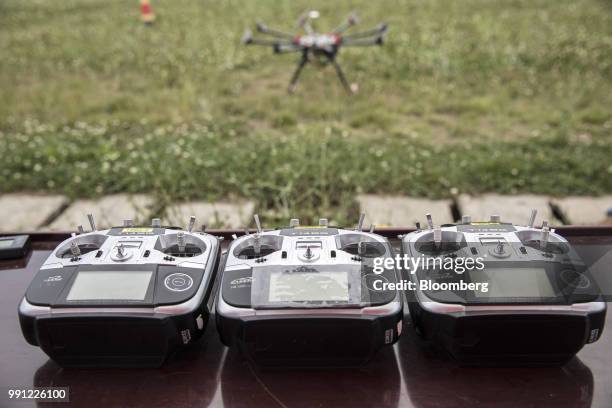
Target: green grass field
465	96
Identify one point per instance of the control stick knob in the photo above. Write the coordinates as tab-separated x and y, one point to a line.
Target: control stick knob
156	223
544	237
121	253
257	244
323	222
80	229
128	223
466	219
500	249
294	222
495	218
437	237
180	240
308	254
74	249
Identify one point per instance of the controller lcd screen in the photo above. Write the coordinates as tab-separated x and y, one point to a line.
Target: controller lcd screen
110	285
309	286
6	243
513	282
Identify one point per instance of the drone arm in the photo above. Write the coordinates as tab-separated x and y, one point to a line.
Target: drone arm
378	31
287	48
248	39
362	42
350	21
264	29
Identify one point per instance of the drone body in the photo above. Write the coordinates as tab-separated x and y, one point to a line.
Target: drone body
314	46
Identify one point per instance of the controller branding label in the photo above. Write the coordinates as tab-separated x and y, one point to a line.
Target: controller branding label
476	227
388	336
594	335
241	282
137	231
186	335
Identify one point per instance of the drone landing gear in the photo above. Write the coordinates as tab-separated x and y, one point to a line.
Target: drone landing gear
298	71
350	88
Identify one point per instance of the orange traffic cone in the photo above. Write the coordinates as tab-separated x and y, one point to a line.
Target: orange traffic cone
146	12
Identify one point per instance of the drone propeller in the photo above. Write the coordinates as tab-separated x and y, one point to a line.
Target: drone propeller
247	37
305	18
350	21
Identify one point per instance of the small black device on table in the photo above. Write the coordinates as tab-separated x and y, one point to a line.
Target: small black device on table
526	298
125	296
15	246
303	296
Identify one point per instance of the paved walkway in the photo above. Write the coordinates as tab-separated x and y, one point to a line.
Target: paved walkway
35	212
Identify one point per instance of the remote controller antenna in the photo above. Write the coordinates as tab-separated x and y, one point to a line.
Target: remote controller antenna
466	219
80	229
257	223
361	219
372	228
156	223
294	222
532	218
180	240
74	249
92	222
495	218
323	222
437	232
128	223
429	221
192	221
544	236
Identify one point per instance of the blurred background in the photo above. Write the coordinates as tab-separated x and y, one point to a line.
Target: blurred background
466	102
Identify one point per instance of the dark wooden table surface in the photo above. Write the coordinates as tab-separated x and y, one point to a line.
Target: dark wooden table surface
407	375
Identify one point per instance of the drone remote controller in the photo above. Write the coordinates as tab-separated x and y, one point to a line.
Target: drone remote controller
527	299
125	296
301	296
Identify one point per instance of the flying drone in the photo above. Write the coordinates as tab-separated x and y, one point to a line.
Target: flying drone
316	47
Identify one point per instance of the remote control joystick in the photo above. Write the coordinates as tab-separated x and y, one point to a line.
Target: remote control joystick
155	281
542	240
74	249
440	242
